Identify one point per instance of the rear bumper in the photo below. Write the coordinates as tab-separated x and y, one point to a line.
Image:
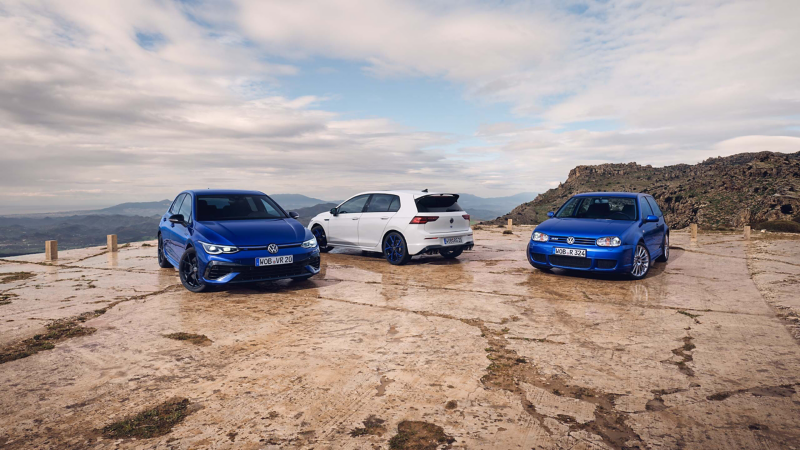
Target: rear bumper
600	259
420	242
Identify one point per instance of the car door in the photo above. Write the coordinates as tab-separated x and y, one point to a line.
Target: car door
167	233
379	211
661	226
649	229
182	231
344	225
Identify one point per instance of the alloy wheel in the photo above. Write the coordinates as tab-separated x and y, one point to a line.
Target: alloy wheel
189	270
641	261
394	248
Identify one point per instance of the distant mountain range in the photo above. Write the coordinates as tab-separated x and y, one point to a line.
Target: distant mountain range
726	192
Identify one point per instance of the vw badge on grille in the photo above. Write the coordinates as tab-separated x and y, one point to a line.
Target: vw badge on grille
570	240
272	248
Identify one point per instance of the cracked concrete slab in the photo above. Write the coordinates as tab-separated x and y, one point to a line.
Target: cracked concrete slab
700	354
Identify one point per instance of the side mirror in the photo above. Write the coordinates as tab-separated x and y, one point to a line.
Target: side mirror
293	215
335	211
176	218
551	214
651	218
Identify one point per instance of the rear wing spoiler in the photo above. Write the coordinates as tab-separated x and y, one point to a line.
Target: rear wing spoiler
435	194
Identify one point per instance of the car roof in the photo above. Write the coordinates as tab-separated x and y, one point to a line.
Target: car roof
223	192
612	194
416	194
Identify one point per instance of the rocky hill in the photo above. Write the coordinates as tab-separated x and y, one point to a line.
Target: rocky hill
723	192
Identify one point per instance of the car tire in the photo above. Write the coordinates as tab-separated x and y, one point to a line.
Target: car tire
395	249
640	265
188	270
451	254
305	278
664	250
163	262
322	238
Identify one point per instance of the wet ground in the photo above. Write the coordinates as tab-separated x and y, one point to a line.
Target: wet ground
702	354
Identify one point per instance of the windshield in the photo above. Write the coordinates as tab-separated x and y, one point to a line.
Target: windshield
599	207
237	207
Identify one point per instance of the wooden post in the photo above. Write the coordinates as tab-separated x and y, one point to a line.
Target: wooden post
50	250
693	227
747	232
510	227
111	242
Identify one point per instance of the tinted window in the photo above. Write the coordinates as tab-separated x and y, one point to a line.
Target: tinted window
176	205
354	205
237	207
654	206
599	207
646	210
438	203
186	208
383	203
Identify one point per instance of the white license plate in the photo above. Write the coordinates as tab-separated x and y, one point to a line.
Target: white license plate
453	240
274	260
581	252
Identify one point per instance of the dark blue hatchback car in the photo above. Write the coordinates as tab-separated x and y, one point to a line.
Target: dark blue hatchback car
217	237
602	231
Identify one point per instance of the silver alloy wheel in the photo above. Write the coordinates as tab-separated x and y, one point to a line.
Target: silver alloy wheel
641	261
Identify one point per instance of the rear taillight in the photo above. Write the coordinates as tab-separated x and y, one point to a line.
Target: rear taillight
422	220
465	216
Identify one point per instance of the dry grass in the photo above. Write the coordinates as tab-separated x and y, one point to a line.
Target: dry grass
57	331
15	276
196	339
156	421
414	435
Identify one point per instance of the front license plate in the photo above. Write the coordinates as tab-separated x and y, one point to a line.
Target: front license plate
580	252
274	260
453	240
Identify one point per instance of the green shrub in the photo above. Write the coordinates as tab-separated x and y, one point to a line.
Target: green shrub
785	226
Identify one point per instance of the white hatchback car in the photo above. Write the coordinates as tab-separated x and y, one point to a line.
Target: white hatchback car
399	224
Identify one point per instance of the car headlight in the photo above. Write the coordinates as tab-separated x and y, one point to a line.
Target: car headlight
214	249
311	243
609	242
539	237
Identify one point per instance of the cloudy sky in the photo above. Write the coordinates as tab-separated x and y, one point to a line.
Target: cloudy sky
105	101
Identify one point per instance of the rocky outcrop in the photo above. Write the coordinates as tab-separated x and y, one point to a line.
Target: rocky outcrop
723	192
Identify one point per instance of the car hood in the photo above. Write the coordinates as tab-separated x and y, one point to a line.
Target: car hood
254	232
585	227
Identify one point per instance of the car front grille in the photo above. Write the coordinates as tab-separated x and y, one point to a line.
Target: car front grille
539	257
578	240
605	263
263	273
574	262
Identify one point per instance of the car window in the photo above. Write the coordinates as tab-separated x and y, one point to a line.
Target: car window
237	207
599	207
654	206
354	205
438	203
186	208
646	210
383	203
176	205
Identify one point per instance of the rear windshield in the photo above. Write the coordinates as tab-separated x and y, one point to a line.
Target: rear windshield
438	203
600	207
237	207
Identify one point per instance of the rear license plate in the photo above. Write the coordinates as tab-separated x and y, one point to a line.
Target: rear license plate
453	240
580	252
274	260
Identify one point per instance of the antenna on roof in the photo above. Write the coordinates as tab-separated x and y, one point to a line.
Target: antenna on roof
424	190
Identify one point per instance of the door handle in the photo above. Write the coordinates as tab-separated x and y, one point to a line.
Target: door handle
384	218
355	218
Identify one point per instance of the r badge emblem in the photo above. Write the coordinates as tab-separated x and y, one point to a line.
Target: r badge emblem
570	240
272	248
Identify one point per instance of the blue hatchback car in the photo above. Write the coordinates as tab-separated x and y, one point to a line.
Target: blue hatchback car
602	231
218	237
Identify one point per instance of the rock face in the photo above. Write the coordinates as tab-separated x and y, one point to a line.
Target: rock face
724	192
